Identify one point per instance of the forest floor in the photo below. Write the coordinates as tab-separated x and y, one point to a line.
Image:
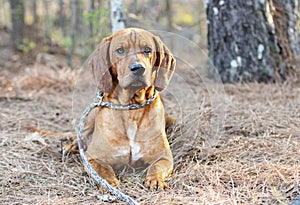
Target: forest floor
250	156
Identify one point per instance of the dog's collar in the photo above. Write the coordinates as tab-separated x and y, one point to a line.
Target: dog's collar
124	107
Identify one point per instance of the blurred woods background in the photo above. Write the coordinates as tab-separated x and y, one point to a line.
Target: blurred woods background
232	143
73	27
247	40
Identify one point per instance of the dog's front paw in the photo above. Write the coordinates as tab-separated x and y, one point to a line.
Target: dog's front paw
112	180
155	182
71	148
105	172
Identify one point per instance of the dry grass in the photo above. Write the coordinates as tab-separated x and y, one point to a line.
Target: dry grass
254	159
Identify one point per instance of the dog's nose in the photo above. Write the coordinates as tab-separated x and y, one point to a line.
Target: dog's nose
137	69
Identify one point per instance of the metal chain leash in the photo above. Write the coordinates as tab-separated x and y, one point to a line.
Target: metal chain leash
81	146
130	106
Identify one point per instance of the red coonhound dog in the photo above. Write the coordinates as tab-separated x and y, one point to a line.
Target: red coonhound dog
129	67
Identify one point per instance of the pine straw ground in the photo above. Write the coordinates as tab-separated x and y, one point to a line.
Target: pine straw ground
253	159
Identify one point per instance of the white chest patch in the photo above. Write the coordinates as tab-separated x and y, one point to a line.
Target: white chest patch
122	152
134	146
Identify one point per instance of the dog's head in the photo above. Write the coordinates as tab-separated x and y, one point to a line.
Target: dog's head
132	59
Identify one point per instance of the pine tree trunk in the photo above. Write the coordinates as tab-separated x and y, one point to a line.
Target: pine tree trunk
134	7
74	24
241	43
285	19
47	24
34	11
18	24
117	15
169	14
62	17
91	22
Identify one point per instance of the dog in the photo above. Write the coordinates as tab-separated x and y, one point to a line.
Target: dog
129	67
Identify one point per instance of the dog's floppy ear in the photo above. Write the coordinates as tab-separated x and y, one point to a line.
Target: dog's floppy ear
100	65
165	64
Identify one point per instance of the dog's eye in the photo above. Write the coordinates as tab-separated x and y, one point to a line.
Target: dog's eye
147	50
120	51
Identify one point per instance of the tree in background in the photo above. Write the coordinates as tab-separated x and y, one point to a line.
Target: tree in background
17	13
117	15
285	22
62	16
75	13
169	14
242	43
91	23
77	29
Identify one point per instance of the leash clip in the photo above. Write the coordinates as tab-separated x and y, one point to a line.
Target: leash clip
99	98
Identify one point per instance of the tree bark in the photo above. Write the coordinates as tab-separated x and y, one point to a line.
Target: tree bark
18	24
34	11
47	24
62	17
133	8
91	22
169	14
285	19
117	15
74	4
241	43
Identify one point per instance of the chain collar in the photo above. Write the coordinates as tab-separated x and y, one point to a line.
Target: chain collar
123	107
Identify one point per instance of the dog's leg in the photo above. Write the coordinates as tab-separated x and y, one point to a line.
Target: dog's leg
106	172
170	120
157	174
87	132
71	148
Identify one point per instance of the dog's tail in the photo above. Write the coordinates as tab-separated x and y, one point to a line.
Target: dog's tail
46	133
